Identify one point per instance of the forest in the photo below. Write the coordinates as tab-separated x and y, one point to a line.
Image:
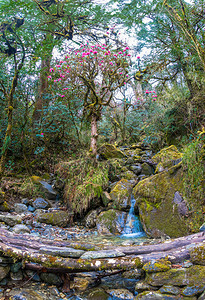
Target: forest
102	102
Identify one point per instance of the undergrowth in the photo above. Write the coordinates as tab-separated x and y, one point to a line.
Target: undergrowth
85	183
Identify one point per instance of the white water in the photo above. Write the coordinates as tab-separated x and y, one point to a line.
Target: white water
133	227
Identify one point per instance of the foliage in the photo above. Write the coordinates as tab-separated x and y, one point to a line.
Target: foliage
84	183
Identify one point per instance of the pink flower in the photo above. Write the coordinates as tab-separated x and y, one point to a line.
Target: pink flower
95	52
120	73
111	63
58	66
41	133
49	77
127	75
51	70
127	48
120	52
138	57
55	80
62	96
128	55
147	92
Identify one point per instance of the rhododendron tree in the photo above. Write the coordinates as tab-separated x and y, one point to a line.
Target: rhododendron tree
97	71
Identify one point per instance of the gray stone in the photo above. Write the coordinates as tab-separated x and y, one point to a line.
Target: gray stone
193	290
51	278
41	203
32	274
98	294
48	189
31	208
136	169
133	274
20	208
120	294
90	218
4	271
101	254
169	289
147	169
181	204
149	296
16	276
202	228
202	297
61	251
142	286
16	267
5	260
10	220
121	194
20	228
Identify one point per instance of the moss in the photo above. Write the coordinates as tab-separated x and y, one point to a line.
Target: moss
160	265
108	151
121	194
198	255
5	207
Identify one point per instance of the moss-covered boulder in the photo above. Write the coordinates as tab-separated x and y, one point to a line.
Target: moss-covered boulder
108	151
55	218
166	158
163	211
5	207
198	255
177	277
121	194
111	222
159	265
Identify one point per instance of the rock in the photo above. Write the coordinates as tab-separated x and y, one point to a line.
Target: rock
181	204
10	220
32	274
121	194
133	274
21	228
142	286
41	203
5	207
101	254
106	198
5	260
167	158
16	267
202	297
202	228
79	284
48	189
111	222
136	169
16	276
25	201
159	265
51	278
36	179
155	197
2	196
169	289
61	251
20	208
121	294
129	176
110	151
147	170
31	208
154	296
90	218
194	290
98	294
55	218
4	271
198	255
178	277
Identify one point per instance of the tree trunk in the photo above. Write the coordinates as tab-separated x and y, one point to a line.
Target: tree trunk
94	135
43	89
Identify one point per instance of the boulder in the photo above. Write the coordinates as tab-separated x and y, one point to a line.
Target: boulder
159	265
136	169
120	294
162	209
101	254
121	194
48	189
10	220
5	207
20	208
167	158
110	151
41	203
20	228
55	218
51	278
90	218
80	284
147	170
61	251
111	222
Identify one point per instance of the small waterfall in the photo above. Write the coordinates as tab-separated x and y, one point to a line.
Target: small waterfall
133	226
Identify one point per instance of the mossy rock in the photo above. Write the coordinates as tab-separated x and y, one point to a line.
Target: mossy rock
166	158
111	222
178	277
5	207
198	255
121	194
2	196
36	179
155	198
129	175
108	151
159	265
55	218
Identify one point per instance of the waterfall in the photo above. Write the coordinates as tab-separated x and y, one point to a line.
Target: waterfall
133	226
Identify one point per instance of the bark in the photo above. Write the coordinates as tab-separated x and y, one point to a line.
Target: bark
94	135
42	99
27	248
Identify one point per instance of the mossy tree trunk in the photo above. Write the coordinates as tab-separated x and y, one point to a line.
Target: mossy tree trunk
94	134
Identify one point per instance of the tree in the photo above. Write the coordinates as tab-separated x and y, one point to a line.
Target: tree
97	71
